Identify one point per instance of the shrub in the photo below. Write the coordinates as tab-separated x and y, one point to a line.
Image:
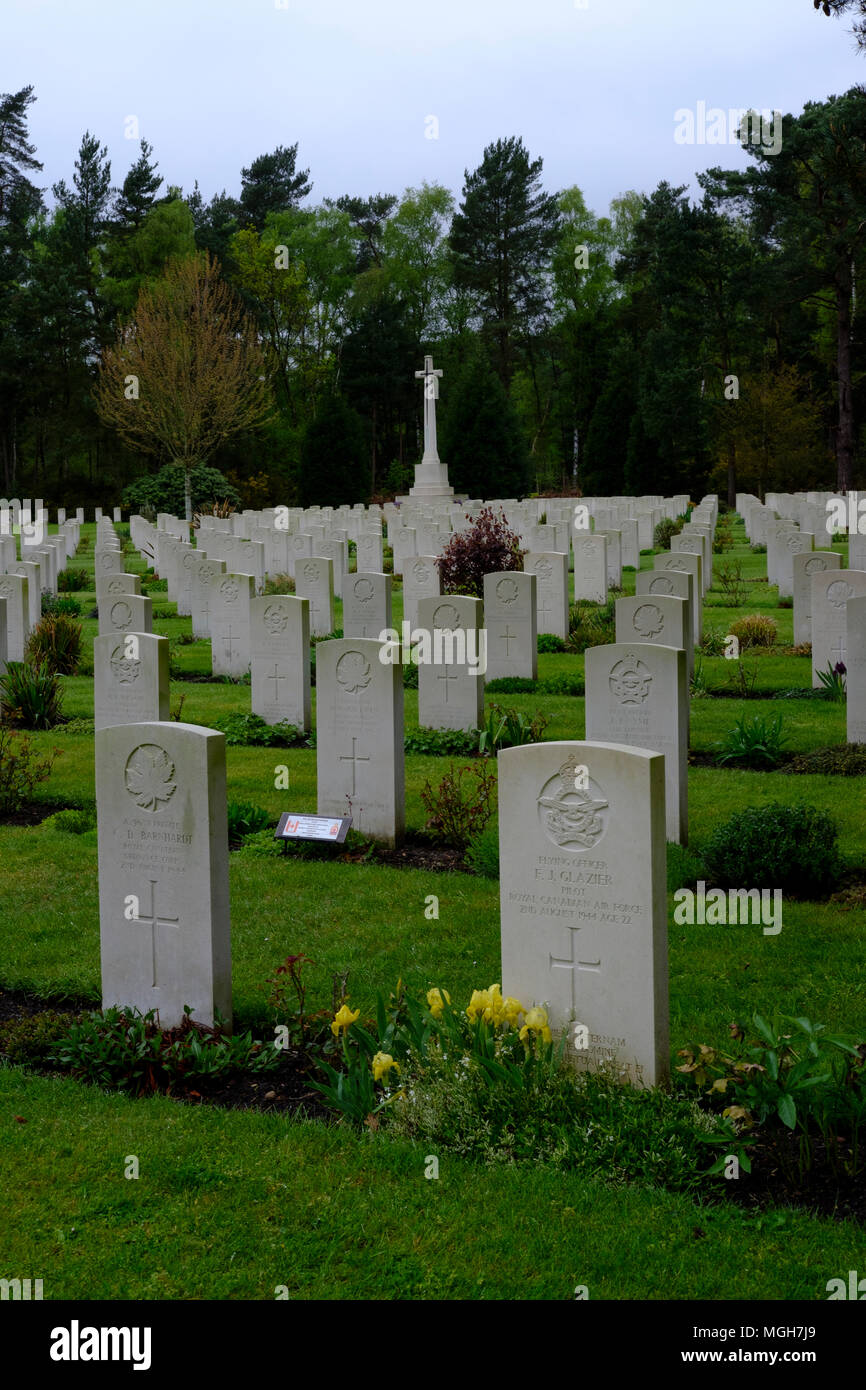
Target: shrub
462	804
450	742
245	819
665	532
729	578
482	852
713	641
591	624
755	631
279	584
54	603
164	491
75	821
723	539
510	728
486	547
758	549
753	742
549	642
833	682
410	676
55	643
547	685
30	696
20	770
251	730
841	760
792	848
73	580
130	1052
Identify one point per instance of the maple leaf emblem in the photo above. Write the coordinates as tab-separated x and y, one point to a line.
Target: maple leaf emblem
353	672
149	777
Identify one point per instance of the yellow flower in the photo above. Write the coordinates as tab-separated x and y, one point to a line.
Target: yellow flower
536	1022
382	1064
512	1009
480	1000
436	1000
344	1018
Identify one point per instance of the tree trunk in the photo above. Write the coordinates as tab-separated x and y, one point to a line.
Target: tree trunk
845	434
732	472
187	493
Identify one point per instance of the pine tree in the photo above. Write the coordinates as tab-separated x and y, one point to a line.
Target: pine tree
481	439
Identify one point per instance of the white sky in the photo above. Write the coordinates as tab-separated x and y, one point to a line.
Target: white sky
593	90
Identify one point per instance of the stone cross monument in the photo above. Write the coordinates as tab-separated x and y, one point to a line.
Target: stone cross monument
431	475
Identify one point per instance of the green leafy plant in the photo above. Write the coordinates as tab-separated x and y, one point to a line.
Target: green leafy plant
664	533
729	578
841	760
462	804
60	603
252	731
279	584
833	681
21	769
754	630
713	641
482	852
793	848
443	742
700	686
55	643
74	821
245	819
549	642
128	1051
73	580
754	741
30	696
591	624
509	728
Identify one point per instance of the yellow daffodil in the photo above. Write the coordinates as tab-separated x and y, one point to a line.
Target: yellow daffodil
382	1064
436	1000
344	1018
536	1022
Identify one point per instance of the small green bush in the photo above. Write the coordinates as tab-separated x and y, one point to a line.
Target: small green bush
443	742
245	819
549	642
75	821
410	676
462	804
754	630
753	742
73	581
30	696
840	760
279	584
250	730
665	532
793	848
510	728
482	852
56	643
60	603
21	769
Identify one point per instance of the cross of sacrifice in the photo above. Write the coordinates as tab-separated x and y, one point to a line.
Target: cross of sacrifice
574	965
431	395
353	758
153	920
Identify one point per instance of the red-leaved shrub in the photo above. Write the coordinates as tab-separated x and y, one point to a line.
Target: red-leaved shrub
485	548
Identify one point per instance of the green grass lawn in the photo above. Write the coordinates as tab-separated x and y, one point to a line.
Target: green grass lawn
230	1205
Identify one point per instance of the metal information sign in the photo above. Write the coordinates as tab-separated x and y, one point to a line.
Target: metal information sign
331	829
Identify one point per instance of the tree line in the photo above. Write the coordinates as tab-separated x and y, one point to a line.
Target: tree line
676	342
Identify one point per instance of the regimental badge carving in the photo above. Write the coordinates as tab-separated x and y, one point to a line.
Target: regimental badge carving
107	562
120	616
275	618
839	592
573	819
124	669
815	565
648	621
311	571
353	672
446	618
115	586
674	563
421	572
149	777
229	590
363	589
630	680
507	591
544	570
6	589
661	585
794	541
189	560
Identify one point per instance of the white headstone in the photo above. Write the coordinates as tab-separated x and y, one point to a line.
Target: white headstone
230	599
366	604
14	589
590	567
451	678
551	590
831	590
805	565
130	679
280	649
855	667
511	623
314	580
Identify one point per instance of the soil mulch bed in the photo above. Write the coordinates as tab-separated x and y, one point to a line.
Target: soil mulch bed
416	852
287	1090
34	813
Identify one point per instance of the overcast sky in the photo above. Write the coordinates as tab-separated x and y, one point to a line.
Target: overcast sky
592	86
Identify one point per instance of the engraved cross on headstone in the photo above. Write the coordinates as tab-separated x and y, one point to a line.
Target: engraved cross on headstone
353	758
507	637
839	650
276	680
154	920
446	678
574	966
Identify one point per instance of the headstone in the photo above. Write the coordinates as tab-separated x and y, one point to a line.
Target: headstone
551	590
108	562
583	898
366	604
638	695
614	558
125	613
685	563
674	584
280	651
14	589
314	579
163	870
111	586
656	618
793	544
420	580
29	570
130	679
451	677
230	599
855	666
359	737
831	590
511	623
368	553
3	637
590	567
693	545
204	571
805	565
